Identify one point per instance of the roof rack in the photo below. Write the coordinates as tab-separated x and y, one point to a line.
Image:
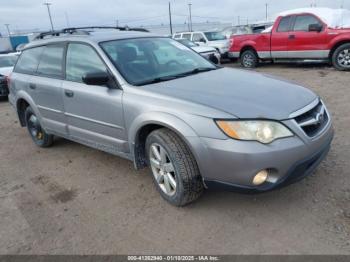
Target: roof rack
85	31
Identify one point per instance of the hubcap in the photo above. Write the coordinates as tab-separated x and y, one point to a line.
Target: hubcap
34	127
248	60
162	169
344	58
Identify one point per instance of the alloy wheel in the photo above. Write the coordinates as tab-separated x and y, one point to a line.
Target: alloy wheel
344	58
162	169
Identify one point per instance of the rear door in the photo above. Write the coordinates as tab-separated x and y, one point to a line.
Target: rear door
94	113
304	44
280	37
46	88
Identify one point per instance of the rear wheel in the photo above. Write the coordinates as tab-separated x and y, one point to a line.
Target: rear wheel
249	59
37	133
341	58
175	171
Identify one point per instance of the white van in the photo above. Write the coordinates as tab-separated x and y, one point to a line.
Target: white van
208	38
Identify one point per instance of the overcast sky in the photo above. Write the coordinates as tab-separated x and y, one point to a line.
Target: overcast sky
32	14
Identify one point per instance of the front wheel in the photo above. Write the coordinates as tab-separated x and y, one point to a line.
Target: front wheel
249	59
175	171
37	133
341	58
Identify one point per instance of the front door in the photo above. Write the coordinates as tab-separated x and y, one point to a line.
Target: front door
94	113
305	44
279	38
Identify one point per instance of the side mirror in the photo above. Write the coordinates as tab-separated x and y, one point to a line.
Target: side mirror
96	78
315	28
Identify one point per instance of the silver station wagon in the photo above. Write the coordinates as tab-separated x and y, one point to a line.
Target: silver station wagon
158	103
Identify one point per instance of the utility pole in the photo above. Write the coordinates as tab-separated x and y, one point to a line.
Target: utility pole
48	10
190	10
67	19
8	29
117	23
267	11
170	22
239	20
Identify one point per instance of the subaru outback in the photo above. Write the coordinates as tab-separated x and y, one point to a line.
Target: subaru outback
158	103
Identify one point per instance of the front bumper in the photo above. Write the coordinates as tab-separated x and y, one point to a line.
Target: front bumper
233	164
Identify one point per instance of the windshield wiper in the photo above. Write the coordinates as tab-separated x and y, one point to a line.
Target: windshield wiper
184	74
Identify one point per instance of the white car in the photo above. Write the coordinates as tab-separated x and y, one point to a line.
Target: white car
7	61
208	38
208	52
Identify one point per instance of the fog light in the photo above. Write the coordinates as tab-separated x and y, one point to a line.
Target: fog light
260	178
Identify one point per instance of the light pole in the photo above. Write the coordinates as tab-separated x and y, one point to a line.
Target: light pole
190	10
267	11
8	29
170	22
48	10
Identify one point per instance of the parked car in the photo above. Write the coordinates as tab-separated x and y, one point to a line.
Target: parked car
157	103
313	33
207	52
209	38
237	30
7	61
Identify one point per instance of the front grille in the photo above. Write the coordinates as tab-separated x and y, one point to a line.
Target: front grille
313	121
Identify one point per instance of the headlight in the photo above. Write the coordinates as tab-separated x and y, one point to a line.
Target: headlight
262	131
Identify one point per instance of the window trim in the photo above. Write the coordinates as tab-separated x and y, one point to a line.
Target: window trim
95	50
291	24
61	77
307	14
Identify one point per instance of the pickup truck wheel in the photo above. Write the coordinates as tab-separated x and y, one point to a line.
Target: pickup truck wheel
249	59
175	171
341	58
37	133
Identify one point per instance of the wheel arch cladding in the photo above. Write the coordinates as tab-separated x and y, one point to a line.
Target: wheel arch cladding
21	106
337	45
144	125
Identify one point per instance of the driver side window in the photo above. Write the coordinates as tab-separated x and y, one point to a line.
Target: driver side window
302	22
198	38
82	59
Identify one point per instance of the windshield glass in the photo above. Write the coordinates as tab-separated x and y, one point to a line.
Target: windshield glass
187	42
214	36
7	61
144	60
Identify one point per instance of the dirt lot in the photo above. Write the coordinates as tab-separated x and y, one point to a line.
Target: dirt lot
71	199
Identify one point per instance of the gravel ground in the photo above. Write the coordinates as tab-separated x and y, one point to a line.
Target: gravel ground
71	199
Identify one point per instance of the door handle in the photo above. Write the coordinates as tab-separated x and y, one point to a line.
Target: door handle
32	86
291	37
69	93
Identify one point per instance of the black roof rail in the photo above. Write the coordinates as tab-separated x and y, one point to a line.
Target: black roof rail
85	31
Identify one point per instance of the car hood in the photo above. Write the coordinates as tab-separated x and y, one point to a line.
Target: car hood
203	49
6	71
240	93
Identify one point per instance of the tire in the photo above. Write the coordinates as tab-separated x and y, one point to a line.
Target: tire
249	59
37	133
185	174
341	58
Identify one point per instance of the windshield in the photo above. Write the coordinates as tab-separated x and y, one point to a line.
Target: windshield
147	60
7	61
187	42
214	36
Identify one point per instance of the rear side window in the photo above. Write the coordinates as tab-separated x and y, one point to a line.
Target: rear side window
284	25
29	60
82	59
186	36
302	22
51	61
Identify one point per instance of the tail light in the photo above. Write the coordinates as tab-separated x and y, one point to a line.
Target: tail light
231	42
8	80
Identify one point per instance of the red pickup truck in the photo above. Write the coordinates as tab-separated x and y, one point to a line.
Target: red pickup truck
304	34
